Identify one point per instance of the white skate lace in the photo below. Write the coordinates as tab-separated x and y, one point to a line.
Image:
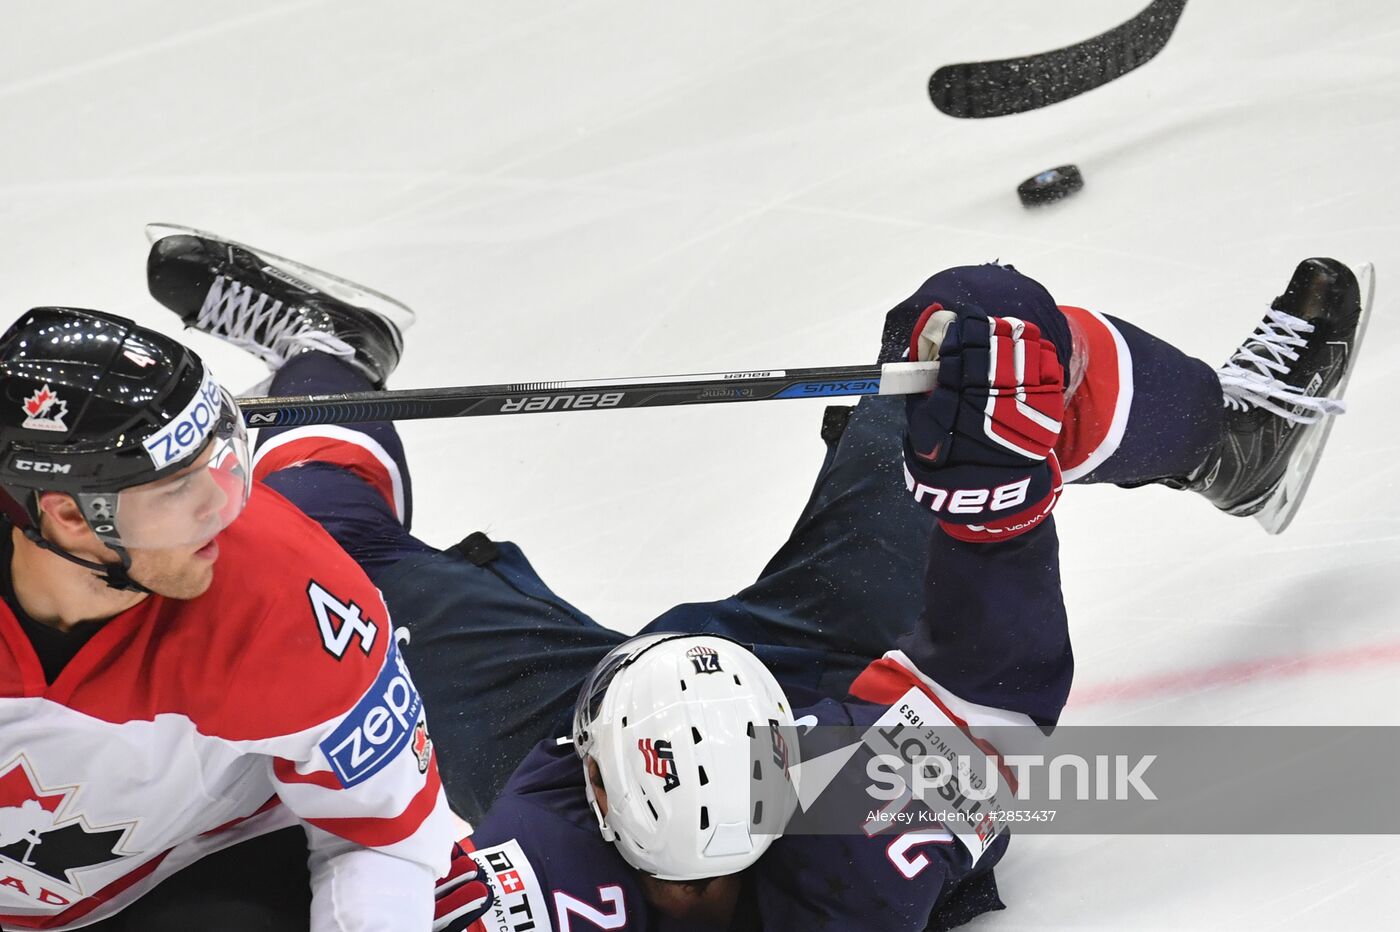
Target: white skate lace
265	327
1250	377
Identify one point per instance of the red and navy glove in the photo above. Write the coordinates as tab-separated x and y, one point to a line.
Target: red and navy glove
462	897
979	450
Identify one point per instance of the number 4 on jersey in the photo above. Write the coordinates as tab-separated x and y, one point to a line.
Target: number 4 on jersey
339	623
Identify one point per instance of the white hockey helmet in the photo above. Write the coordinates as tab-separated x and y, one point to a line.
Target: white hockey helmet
669	718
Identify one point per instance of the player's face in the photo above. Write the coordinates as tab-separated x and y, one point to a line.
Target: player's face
181	508
177	572
189	507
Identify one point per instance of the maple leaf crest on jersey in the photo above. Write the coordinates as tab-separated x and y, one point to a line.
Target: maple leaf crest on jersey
44	843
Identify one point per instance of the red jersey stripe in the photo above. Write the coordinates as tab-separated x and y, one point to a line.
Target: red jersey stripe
338	446
380	833
287	772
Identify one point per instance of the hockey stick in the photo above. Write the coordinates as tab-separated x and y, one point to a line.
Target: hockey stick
896	378
974	90
513	398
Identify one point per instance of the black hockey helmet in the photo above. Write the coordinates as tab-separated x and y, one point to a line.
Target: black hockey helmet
94	405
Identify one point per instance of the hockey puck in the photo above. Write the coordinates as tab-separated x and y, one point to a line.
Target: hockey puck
1050	185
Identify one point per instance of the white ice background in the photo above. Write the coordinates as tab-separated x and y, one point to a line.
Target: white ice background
583	189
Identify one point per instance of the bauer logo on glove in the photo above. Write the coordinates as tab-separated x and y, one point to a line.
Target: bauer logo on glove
979	451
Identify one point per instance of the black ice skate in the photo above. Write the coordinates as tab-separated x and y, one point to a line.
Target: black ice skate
273	307
1282	388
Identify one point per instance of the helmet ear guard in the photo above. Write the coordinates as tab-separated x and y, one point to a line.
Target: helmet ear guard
673	724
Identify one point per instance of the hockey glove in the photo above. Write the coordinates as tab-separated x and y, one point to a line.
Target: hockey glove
463	896
979	451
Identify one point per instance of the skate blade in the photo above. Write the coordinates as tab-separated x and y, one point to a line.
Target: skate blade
342	289
1278	512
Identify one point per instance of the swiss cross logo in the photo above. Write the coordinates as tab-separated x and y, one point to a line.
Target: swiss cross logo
44	845
660	761
44	410
704	659
510	881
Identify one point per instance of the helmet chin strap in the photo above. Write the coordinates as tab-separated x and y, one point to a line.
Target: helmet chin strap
115	575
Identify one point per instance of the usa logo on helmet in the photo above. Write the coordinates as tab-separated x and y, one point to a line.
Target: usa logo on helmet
660	761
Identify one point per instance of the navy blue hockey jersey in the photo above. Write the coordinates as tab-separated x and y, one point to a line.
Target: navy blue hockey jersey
996	653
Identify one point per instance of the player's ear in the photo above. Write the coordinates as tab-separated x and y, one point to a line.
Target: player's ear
600	792
61	521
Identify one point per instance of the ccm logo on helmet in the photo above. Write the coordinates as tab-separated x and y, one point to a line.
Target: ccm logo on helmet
189	429
378	728
36	466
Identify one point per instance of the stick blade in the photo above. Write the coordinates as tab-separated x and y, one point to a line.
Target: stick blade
979	90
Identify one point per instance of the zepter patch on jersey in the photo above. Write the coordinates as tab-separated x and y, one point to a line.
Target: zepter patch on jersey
520	904
379	727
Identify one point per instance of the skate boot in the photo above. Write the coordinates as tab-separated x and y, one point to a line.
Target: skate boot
272	307
1282	388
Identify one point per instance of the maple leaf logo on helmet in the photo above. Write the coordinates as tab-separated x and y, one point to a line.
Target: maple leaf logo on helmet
44	410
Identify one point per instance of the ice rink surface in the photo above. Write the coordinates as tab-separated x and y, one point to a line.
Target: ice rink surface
589	189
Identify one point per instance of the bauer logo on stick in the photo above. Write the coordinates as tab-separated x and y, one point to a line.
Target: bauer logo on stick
44	410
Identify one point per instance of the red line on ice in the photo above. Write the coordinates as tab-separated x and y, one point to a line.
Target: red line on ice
1183	682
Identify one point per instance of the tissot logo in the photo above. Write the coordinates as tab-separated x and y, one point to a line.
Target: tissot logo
44	844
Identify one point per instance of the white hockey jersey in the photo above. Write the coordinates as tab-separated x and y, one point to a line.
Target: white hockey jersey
182	727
